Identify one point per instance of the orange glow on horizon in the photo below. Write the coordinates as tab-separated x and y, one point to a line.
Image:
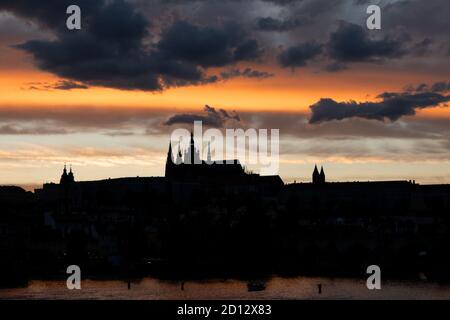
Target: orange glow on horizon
287	91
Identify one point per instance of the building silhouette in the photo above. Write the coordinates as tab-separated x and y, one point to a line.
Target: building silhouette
318	178
191	168
206	215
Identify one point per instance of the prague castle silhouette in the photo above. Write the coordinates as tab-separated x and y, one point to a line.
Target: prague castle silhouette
210	218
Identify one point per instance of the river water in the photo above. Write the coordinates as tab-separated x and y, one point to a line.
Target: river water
276	288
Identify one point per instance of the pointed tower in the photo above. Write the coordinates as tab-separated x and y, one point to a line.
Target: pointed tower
316	175
169	161
322	176
64	175
70	176
66	188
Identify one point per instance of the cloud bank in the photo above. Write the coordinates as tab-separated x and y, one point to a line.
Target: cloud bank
112	49
211	117
392	106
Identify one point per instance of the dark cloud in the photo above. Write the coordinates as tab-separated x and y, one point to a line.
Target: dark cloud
246	73
208	46
316	8
211	117
422	47
298	56
272	24
335	66
352	43
424	18
112	49
108	51
60	85
392	107
247	51
154	44
441	86
283	2
69	85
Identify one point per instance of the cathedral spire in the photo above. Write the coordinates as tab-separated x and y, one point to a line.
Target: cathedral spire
322	175
70	176
64	175
169	154
169	161
316	171
316	175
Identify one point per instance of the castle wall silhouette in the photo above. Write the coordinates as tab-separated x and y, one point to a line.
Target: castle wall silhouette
186	174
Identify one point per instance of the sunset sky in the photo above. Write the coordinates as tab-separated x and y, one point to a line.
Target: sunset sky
367	105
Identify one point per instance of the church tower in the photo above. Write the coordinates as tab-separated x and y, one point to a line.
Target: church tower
316	176
66	191
322	176
64	176
169	161
67	178
70	176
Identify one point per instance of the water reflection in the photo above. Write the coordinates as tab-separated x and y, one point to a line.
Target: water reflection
275	288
